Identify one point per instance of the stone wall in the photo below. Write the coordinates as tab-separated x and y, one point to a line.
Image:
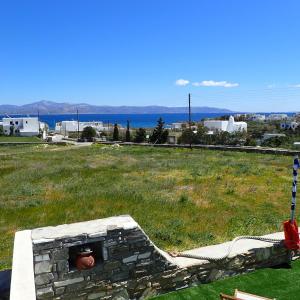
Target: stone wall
128	265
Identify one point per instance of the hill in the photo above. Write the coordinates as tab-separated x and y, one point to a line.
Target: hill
50	107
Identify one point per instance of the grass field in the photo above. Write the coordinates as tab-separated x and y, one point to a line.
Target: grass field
182	198
19	139
282	284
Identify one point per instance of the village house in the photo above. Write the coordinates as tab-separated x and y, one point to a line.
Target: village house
277	117
66	127
23	126
223	125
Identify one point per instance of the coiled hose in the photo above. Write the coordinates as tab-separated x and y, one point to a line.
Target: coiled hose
216	259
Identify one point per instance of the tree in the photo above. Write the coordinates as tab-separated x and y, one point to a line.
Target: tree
1	130
127	136
201	135
140	135
188	137
88	132
159	134
116	132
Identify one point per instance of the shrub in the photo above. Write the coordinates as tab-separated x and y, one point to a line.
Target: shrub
88	132
140	135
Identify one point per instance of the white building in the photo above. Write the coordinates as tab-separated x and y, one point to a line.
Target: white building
229	126
277	117
23	126
177	126
65	127
258	117
289	125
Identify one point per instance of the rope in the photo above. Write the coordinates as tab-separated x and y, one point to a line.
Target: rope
296	166
216	259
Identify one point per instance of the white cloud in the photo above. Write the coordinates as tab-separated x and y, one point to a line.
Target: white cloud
295	85
271	86
182	82
216	83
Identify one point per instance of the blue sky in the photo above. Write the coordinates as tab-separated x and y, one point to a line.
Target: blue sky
241	55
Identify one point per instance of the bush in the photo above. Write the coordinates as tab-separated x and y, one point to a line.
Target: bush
140	135
188	137
88	133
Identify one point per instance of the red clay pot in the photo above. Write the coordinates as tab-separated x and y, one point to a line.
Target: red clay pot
85	261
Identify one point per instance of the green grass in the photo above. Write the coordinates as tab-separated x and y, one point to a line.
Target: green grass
182	198
282	284
19	139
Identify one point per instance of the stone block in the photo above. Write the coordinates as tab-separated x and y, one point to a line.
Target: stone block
43	279
68	282
144	255
130	259
41	257
44	293
60	254
95	296
42	267
59	291
62	266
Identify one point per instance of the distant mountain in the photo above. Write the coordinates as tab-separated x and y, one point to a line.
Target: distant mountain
49	107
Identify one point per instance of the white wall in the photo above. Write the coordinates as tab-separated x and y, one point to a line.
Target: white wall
21	126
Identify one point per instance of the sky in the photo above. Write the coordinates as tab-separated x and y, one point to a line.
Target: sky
242	55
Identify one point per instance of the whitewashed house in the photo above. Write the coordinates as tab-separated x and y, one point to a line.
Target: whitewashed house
223	125
23	126
177	126
66	127
277	117
257	117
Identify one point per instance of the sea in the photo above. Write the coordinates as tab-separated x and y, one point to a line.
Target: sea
135	120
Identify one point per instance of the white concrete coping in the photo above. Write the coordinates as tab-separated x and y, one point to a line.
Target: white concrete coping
93	228
22	279
215	251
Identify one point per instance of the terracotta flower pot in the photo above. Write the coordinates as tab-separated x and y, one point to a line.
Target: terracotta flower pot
85	261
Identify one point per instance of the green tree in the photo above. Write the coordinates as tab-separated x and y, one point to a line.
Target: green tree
188	137
140	135
127	136
116	132
1	130
88	132
201	135
159	134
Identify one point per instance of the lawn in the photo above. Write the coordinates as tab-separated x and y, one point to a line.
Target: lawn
282	284
14	139
182	198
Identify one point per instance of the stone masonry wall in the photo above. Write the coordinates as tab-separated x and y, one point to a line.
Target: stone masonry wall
131	267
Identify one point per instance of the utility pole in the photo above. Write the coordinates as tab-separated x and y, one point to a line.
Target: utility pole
190	121
77	125
39	119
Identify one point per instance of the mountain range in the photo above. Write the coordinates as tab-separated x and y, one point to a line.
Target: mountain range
50	107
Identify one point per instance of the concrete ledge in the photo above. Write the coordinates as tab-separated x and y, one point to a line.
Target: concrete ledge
241	247
22	278
248	149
